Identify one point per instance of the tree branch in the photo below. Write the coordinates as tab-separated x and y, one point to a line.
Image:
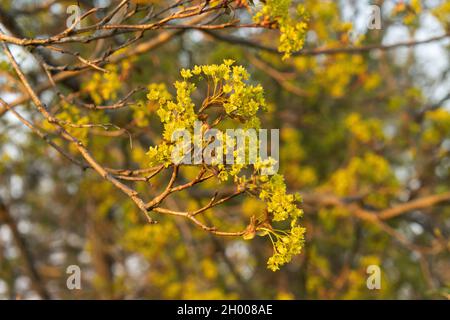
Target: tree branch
319	51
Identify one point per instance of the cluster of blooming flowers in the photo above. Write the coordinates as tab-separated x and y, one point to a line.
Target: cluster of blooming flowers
292	29
282	207
239	103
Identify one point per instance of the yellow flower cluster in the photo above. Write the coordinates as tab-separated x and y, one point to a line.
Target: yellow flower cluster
104	86
227	88
238	102
364	130
282	207
292	29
